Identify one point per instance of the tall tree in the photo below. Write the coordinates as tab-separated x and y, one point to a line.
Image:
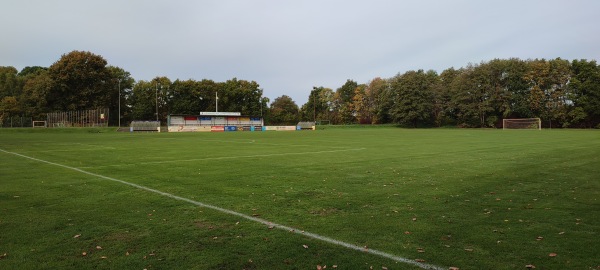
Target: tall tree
240	96
548	89
413	104
144	100
513	80
585	87
9	85
343	103
444	113
318	106
81	81
37	86
362	105
284	111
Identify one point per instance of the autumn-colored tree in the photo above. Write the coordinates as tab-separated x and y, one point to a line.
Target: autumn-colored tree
549	96
363	104
343	110
319	106
516	88
8	108
81	81
9	85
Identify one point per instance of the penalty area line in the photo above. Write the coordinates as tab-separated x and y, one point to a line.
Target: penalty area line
244	216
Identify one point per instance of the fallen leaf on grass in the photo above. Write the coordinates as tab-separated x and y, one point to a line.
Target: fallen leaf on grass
414	219
561	233
305	246
552	254
384	268
84	253
98	247
77	236
334	266
2	256
469	249
127	253
453	268
420	250
530	266
406	232
103	257
539	238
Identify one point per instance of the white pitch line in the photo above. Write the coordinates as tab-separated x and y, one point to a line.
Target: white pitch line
244	216
227	157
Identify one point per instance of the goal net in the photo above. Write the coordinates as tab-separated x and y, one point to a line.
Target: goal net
522	123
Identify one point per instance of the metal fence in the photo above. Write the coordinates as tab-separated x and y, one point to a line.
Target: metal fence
84	118
16	121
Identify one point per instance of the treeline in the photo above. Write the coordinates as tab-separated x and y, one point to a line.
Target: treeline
82	80
561	93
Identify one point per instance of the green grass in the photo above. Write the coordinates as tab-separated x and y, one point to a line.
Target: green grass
473	199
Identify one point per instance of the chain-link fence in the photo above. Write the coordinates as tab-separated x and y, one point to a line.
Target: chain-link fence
16	121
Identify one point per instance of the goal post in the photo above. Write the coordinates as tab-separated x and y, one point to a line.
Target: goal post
522	123
39	124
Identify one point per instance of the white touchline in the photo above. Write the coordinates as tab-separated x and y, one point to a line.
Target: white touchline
233	213
227	157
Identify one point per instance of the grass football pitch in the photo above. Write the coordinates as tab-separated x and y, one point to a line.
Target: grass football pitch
344	198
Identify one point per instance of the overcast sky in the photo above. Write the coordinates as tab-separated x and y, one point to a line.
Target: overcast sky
290	46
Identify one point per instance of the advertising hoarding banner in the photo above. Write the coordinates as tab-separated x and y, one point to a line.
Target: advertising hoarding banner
217	128
182	128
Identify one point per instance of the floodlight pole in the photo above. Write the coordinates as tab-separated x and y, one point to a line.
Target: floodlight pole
119	102
216	102
201	105
156	101
314	110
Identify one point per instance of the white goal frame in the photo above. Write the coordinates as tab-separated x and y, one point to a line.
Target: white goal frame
522	123
39	124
